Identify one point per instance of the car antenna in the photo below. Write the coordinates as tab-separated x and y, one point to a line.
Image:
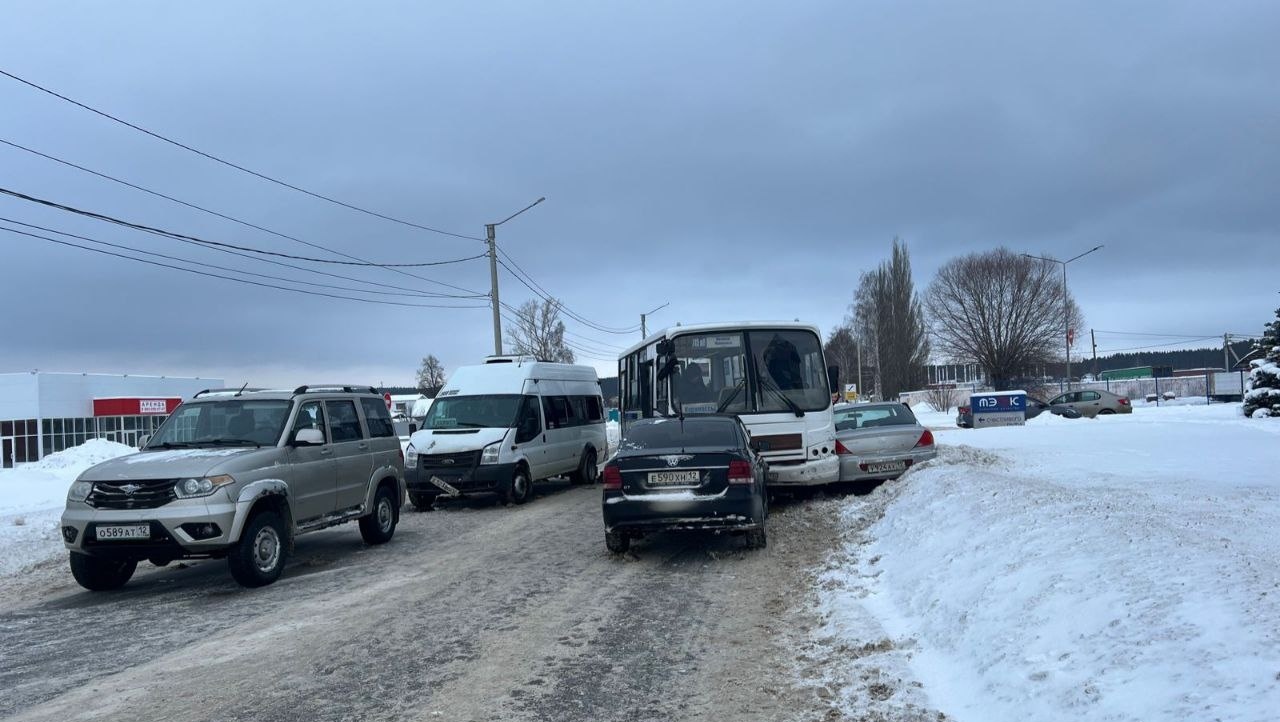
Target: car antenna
242	388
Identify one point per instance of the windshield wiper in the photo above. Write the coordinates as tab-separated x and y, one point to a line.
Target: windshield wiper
231	442
725	404
771	385
170	445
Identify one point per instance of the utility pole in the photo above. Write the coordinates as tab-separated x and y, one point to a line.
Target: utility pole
1066	306
1226	344
491	239
1094	340
644	330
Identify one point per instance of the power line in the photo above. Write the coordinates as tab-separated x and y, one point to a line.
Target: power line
140	227
1156	335
578	350
241	168
1159	345
602	347
413	294
229	278
542	293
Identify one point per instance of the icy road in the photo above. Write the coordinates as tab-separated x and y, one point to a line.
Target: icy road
475	612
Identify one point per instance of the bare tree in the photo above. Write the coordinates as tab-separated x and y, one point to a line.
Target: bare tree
889	321
430	375
538	331
941	397
842	350
1002	310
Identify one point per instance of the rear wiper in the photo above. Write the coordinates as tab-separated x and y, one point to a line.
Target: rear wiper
231	442
770	384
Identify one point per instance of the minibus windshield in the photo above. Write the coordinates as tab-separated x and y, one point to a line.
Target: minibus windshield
487	411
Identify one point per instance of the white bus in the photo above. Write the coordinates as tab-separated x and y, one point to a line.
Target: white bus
772	375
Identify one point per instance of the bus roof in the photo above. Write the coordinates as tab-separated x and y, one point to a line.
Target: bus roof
671	331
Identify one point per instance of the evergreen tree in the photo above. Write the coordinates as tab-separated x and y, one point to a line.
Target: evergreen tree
1263	395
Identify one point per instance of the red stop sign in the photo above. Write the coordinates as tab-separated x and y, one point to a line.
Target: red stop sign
387	398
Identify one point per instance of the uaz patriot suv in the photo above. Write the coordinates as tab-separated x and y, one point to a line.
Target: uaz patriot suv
238	474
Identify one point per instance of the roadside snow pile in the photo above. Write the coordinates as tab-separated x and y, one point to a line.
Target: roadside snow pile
32	497
1119	568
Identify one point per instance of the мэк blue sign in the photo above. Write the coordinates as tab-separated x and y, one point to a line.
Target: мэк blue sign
1000	408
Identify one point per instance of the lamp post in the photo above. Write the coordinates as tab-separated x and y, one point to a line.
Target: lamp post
493	274
1066	306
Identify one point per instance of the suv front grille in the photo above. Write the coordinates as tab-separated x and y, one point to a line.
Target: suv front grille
460	460
147	494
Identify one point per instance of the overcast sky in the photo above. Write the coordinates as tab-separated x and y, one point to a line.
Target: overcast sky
738	160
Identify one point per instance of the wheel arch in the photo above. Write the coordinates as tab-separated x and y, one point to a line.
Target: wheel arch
264	494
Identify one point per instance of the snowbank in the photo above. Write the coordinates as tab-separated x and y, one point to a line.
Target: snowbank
32	498
1119	568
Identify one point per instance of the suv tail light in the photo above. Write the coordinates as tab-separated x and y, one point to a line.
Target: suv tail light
1123	401
740	473
841	449
963	409
926	439
612	478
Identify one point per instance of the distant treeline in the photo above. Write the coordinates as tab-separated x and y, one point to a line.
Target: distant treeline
1185	359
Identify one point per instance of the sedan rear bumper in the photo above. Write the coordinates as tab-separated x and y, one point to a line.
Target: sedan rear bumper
735	508
863	468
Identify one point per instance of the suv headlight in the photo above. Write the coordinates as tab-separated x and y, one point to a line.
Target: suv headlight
410	457
490	453
79	491
193	488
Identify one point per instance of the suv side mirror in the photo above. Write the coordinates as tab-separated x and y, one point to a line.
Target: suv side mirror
833	379
309	437
413	429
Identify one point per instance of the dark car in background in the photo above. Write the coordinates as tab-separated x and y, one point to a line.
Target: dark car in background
698	472
1035	407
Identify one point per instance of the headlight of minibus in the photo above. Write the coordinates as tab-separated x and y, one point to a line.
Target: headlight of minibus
193	488
410	458
79	491
490	453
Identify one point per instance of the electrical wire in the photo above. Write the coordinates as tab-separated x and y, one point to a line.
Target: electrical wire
541	292
413	294
229	164
1158	345
584	343
579	352
172	234
231	278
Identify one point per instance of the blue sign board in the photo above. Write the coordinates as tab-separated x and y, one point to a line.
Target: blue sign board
1003	408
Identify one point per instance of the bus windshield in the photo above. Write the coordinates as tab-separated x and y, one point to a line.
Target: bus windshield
757	371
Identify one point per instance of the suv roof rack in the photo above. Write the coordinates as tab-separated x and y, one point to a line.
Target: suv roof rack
234	392
345	388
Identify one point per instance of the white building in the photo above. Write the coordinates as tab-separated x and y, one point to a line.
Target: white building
41	413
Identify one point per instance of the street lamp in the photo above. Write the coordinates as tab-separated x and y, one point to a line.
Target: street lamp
493	274
1066	306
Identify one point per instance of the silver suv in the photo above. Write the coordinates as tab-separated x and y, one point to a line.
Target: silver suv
238	474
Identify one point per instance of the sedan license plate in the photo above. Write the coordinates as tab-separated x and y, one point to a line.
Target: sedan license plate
887	466
123	531
673	478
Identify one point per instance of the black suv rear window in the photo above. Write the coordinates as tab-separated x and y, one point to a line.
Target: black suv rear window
673	433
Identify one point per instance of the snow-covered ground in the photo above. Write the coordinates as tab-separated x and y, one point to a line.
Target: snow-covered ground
31	501
1122	568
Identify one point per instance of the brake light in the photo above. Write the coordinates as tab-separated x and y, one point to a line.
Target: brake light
926	439
1124	401
841	449
612	478
740	473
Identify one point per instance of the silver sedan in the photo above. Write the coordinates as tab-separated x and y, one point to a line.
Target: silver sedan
879	441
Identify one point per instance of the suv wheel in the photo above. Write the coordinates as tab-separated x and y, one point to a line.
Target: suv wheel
258	558
423	502
756	538
379	526
617	542
520	490
586	471
99	575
